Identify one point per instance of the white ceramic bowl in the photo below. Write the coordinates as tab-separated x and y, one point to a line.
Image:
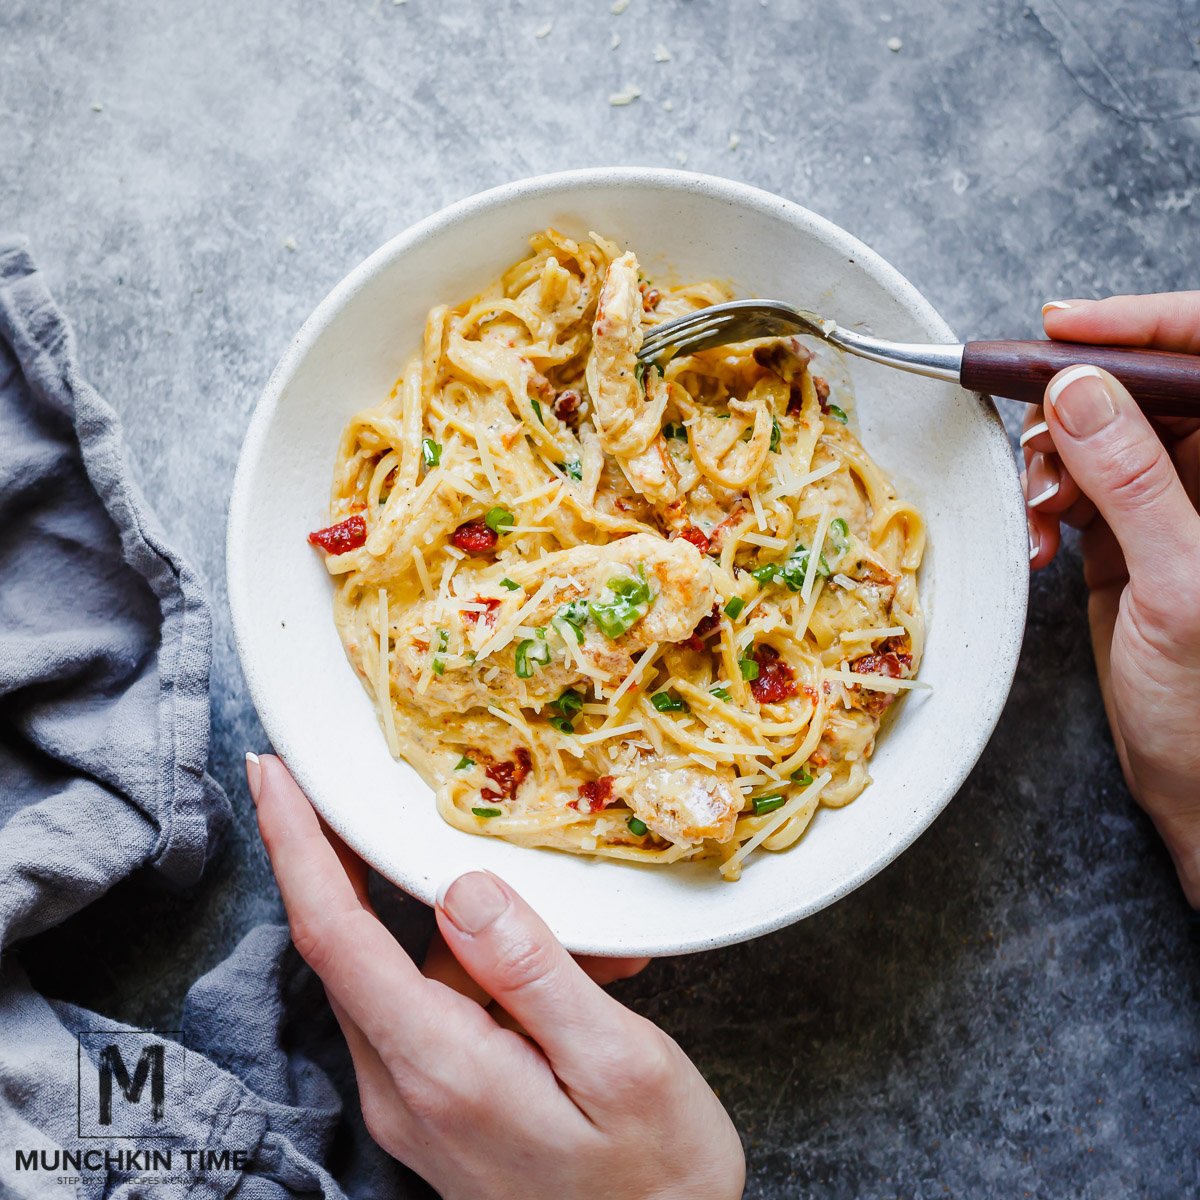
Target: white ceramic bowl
945	448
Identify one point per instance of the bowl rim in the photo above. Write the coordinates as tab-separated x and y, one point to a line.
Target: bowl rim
239	583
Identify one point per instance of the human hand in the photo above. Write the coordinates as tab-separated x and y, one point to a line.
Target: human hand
1095	462
589	1100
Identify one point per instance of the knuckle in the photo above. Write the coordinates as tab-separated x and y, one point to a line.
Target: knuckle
523	962
646	1065
309	942
1139	474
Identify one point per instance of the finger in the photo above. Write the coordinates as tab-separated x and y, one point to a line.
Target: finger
1164	321
1035	433
1047	485
514	957
609	970
1043	539
1116	458
441	965
362	966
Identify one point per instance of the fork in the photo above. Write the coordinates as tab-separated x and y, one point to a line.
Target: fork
1164	383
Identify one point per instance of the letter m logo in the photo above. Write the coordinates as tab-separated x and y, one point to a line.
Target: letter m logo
130	1083
149	1065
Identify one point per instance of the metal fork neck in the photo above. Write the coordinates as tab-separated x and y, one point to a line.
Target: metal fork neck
936	361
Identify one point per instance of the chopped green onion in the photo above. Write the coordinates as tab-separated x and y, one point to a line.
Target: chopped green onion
775	435
562	724
747	435
766	804
765	573
802	777
439	663
532	652
574	614
637	828
721	694
569	703
795	566
734	606
574	468
838	414
678	432
431	453
639	372
668	702
722	416
486	812
749	668
537	408
508	583
463	763
499	519
839	535
630	602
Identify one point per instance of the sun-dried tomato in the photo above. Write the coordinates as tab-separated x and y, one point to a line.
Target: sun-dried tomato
704	627
594	795
490	603
697	537
889	664
775	682
337	539
566	403
475	538
508	775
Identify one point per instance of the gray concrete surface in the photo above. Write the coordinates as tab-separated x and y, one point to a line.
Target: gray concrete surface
1011	1009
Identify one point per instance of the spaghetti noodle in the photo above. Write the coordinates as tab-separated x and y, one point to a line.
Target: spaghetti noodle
647	616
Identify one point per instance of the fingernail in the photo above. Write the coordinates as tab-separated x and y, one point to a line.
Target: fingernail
473	901
253	774
1043	480
1033	431
1054	304
1035	543
1082	399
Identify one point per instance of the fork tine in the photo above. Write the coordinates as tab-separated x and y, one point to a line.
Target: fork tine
673	333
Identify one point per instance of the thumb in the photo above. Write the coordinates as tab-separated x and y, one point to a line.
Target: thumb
509	951
1119	463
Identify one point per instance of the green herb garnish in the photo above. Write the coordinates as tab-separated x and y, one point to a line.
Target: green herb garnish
734	606
637	828
749	668
630	602
721	694
532	652
569	703
508	583
431	453
439	663
668	702
765	573
463	763
562	724
802	777
575	615
486	812
574	468
766	804
775	436
499	519
839	536
537	408
838	414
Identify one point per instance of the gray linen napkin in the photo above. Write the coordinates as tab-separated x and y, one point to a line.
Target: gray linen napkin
105	646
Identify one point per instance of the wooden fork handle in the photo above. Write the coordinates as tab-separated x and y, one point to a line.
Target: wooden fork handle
1164	384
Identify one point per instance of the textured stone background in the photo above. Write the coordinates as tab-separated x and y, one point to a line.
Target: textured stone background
1013	1008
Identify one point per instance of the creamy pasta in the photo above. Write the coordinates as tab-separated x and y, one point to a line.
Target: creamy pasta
654	616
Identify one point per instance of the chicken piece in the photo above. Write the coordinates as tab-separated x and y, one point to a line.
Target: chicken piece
683	804
627	416
682	590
